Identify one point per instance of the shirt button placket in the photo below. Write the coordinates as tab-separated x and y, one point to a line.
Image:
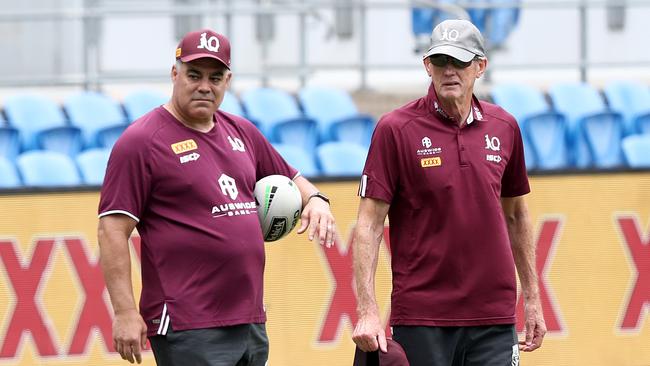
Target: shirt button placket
461	147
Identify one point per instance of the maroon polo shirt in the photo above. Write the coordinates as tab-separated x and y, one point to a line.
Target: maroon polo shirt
191	194
451	259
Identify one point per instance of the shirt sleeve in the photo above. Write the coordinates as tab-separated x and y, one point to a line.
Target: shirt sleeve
515	179
381	171
127	183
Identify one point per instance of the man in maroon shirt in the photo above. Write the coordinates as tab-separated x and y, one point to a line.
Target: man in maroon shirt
184	175
449	172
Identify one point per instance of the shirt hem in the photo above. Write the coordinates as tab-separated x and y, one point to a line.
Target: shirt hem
453	322
209	324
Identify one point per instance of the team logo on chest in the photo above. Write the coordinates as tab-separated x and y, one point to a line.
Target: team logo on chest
237	144
493	144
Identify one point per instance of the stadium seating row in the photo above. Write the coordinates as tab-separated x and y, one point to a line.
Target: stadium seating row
43	168
91	119
578	128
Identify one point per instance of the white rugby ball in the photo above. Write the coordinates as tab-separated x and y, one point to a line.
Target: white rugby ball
278	206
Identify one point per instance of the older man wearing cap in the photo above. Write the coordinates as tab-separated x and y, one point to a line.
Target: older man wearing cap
448	170
181	175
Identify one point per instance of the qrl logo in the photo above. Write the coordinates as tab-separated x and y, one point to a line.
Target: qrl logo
450	35
211	44
492	143
228	186
236	144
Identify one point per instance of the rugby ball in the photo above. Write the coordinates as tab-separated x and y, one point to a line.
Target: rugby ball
278	206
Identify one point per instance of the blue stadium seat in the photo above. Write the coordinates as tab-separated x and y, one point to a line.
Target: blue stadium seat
497	23
99	117
41	124
139	103
40	168
637	150
278	116
337	116
544	131
9	177
92	165
632	100
9	142
230	104
299	159
594	131
341	158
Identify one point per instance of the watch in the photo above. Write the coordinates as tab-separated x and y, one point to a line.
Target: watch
321	196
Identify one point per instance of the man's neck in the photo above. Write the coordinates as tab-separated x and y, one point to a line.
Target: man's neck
201	126
458	110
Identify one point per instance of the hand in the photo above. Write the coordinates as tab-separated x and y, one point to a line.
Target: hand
369	334
129	335
535	327
319	219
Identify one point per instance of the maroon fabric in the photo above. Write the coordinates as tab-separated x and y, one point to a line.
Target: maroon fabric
202	248
451	258
204	43
395	356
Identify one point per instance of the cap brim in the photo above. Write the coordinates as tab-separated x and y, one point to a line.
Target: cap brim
455	52
197	56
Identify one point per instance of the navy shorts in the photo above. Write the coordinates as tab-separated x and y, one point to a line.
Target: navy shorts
494	345
239	345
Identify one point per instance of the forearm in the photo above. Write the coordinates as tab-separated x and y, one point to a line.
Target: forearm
523	250
367	238
115	261
306	188
365	256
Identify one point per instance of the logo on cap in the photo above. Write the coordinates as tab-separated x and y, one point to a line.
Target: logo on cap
450	35
211	44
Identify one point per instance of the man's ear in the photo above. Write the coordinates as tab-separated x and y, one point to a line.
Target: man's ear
427	65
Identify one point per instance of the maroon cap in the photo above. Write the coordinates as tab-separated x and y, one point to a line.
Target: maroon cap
394	357
204	43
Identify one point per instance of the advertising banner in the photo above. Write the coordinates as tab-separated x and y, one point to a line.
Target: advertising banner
593	258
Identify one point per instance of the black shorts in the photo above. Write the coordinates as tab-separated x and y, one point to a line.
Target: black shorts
239	345
494	345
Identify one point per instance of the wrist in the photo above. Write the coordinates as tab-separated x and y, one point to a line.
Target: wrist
319	195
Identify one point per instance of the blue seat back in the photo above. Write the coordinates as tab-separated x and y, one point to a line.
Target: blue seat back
268	107
604	134
341	158
231	104
578	101
93	112
336	114
637	150
632	100
498	23
326	105
278	116
92	165
47	169
31	114
522	101
299	159
9	177
9	142
546	133
141	102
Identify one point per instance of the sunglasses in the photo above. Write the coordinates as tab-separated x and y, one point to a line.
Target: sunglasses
443	60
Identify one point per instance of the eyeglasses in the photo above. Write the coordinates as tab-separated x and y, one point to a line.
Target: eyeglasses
443	60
